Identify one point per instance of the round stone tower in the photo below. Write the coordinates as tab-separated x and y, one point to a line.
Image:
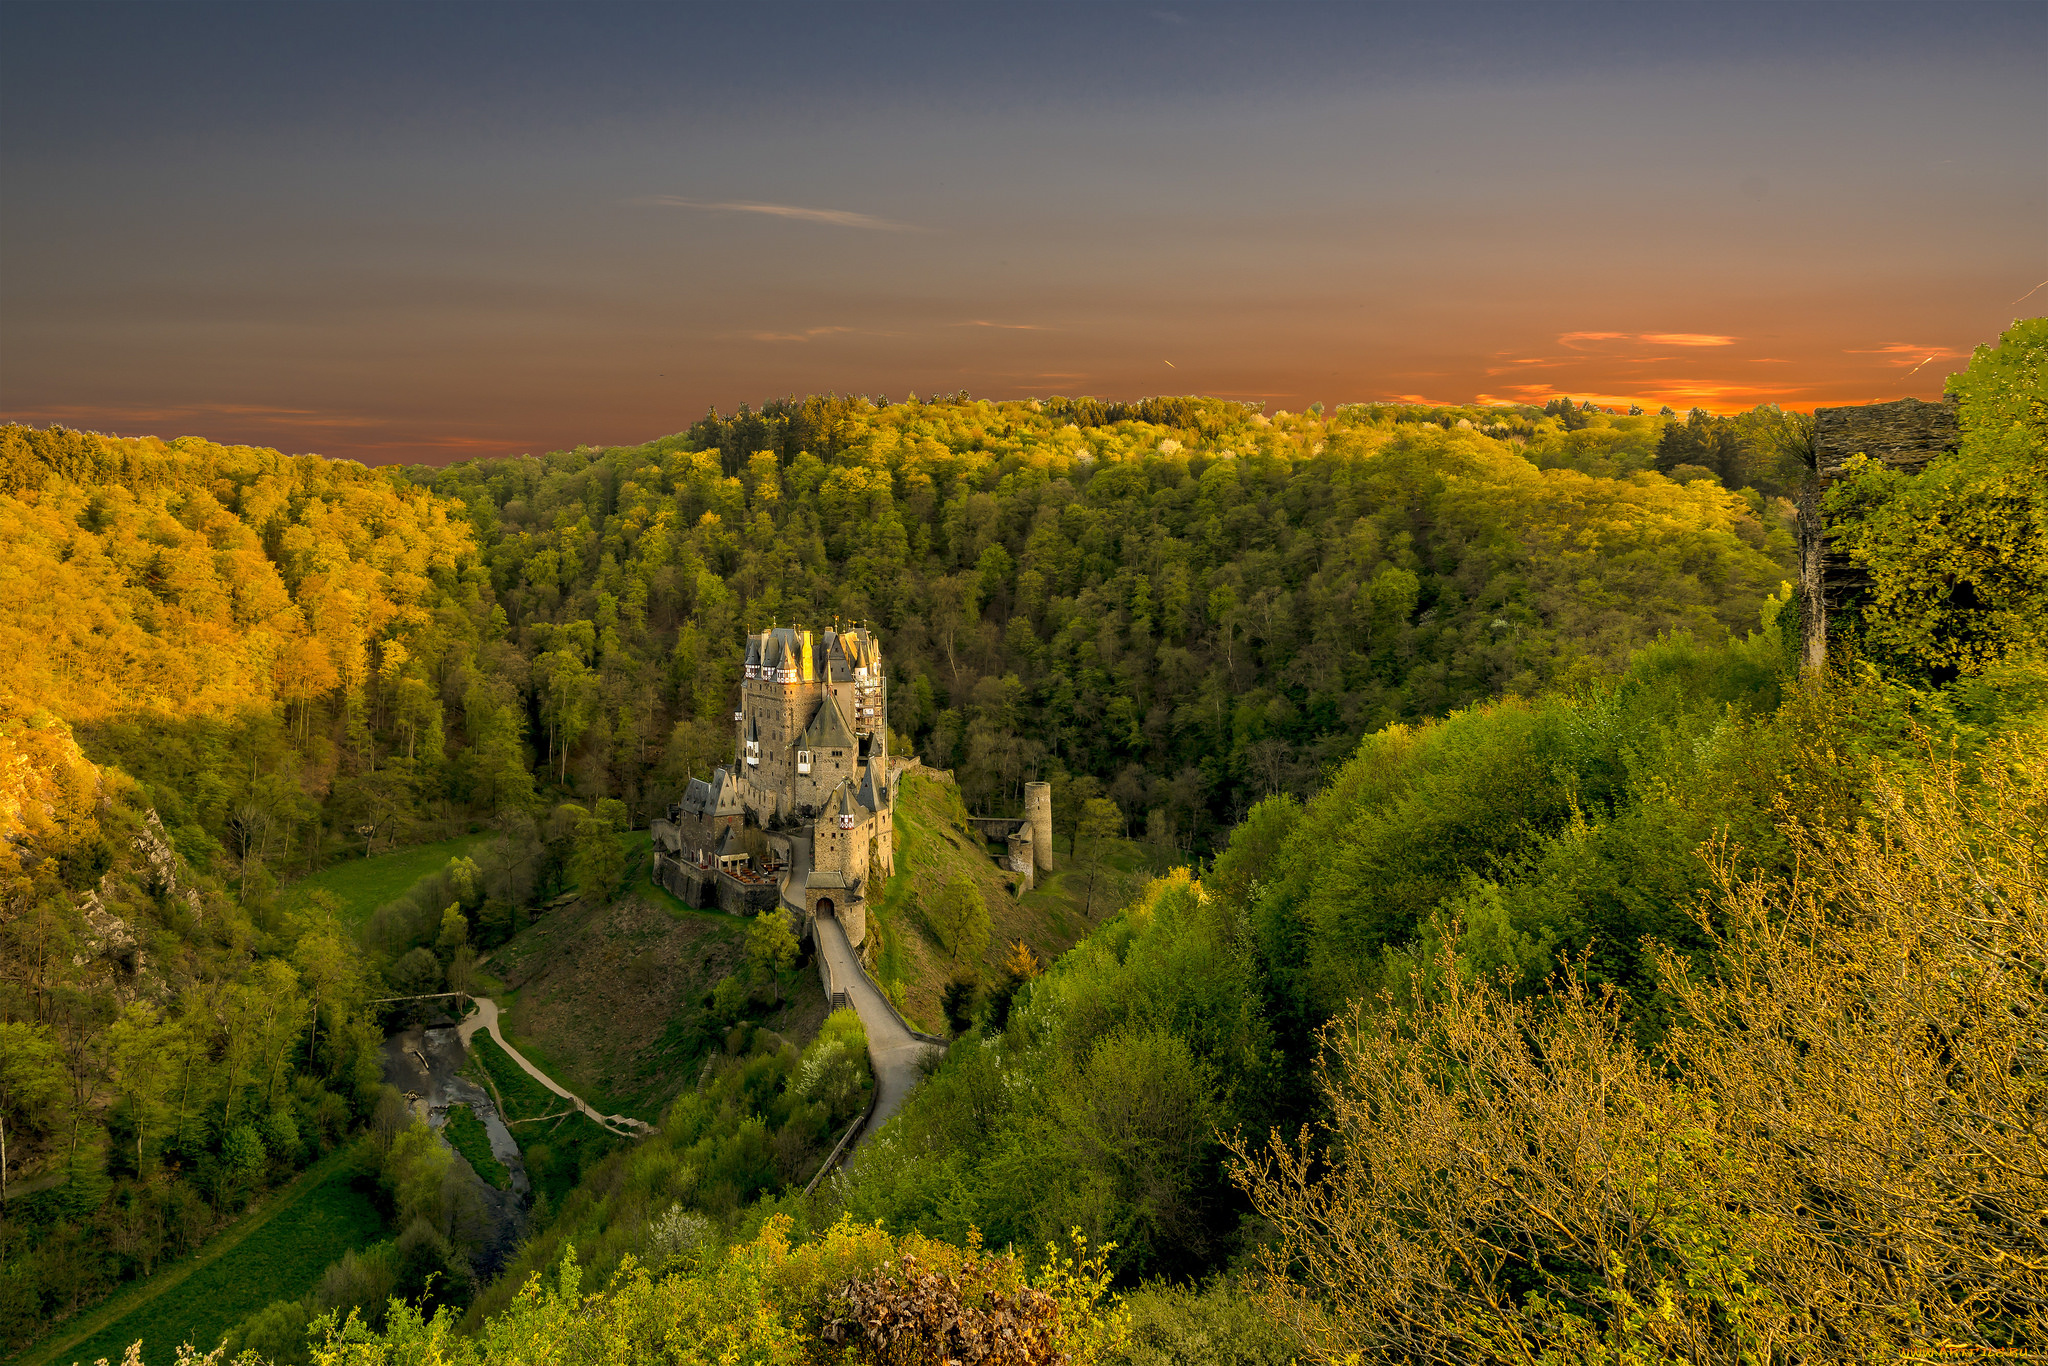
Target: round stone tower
1038	815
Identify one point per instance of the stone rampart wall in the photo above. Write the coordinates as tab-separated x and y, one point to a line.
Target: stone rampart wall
706	889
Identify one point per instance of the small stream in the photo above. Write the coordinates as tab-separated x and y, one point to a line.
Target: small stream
422	1064
463	1091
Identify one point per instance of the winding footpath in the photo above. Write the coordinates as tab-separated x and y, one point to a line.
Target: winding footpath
486	1019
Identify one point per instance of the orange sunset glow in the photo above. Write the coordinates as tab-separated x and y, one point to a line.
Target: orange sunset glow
533	238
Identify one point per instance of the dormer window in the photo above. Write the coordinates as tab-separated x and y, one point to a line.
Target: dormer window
846	820
803	761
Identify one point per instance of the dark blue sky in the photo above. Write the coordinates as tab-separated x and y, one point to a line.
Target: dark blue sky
419	231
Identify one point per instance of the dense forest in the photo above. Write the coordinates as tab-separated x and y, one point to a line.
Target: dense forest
1184	606
1483	724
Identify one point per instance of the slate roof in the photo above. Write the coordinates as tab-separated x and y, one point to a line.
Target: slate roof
719	797
697	798
828	729
843	800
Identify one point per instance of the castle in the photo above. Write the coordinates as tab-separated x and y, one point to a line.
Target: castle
804	815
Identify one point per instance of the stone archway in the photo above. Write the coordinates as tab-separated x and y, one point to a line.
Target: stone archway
824	908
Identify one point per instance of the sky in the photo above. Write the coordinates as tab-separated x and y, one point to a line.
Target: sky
428	232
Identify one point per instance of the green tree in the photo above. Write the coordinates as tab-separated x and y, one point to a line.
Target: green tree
568	702
959	920
1958	554
454	933
599	860
771	948
957	1002
1100	821
30	1084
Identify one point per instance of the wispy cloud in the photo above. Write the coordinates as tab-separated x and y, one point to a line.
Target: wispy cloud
1685	339
1007	327
837	218
1908	353
1579	341
808	334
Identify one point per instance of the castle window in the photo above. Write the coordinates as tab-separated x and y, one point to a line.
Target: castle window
803	761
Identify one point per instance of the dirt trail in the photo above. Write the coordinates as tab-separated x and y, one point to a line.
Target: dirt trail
486	1019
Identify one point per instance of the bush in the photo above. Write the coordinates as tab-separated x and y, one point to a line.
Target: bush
835	1071
275	1334
1839	1144
768	1301
962	993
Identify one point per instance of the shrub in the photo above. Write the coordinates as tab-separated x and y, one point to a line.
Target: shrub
1839	1144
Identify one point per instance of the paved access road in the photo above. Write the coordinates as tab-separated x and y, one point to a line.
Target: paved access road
486	1019
896	1053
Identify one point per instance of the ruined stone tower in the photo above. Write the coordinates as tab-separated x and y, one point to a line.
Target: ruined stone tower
1038	815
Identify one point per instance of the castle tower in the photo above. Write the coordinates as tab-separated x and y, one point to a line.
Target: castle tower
1038	815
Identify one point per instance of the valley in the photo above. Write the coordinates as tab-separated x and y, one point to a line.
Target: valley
425	918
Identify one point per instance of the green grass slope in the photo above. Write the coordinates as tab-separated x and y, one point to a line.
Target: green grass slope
556	1142
612	1001
934	846
275	1252
362	885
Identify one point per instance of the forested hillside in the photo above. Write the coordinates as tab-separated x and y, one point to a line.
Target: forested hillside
190	634
1667	1016
1185	605
1692	988
1452	698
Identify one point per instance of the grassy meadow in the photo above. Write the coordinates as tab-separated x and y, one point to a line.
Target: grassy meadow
555	1141
467	1135
362	885
277	1251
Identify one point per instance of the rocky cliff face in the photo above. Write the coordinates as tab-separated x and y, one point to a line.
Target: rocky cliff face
161	861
